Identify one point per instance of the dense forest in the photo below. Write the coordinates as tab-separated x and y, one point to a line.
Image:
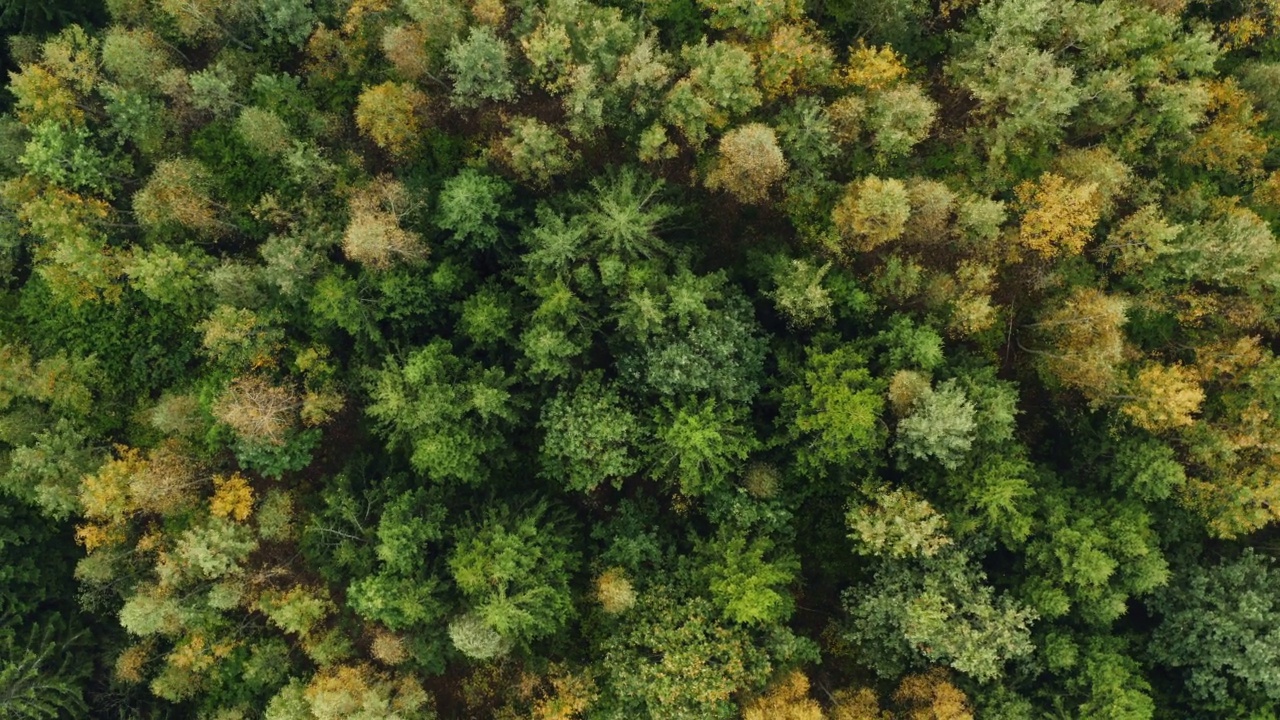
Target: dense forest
627	359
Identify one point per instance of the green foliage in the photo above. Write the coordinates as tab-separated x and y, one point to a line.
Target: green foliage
940	610
513	568
701	338
349	359
39	678
590	437
748	586
471	206
941	426
448	412
1216	630
673	660
699	446
480	69
834	410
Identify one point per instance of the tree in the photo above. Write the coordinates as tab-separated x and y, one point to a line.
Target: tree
359	692
536	152
752	18
794	59
258	410
940	425
1087	341
287	22
787	700
391	115
40	676
1164	398
1058	218
747	586
704	340
264	131
872	212
614	591
698	445
177	193
1024	95
1091	557
749	163
899	119
834	409
799	294
513	567
940	610
591	437
719	86
206	19
1231	248
1229	142
479	68
673	660
897	524
1217	631
374	235
471	206
450	413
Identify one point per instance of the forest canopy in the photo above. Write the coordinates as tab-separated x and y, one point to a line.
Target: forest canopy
624	359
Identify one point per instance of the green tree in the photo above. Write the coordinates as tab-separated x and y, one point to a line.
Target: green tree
480	68
833	410
40	676
1217	631
940	610
471	206
590	437
699	445
940	426
513	566
450	413
748	577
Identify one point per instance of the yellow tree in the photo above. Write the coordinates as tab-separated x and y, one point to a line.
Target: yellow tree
787	700
749	163
1230	142
872	212
348	692
1163	397
1086	341
178	193
167	482
931	696
614	591
391	114
857	704
232	497
257	409
374	236
1057	216
794	59
873	68
40	95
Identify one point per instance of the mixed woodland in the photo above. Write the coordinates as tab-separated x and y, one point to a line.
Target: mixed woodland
628	359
